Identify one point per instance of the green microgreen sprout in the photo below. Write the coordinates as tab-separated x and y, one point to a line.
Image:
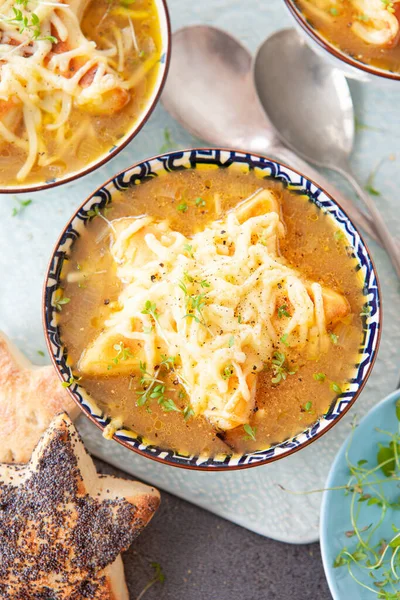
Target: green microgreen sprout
366	310
60	300
280	369
227	372
150	308
23	204
194	302
335	387
71	381
182	207
28	23
319	376
250	432
200	202
283	311
155	388
158	577
284	339
334	338
169	143
123	354
188	412
189	249
339	236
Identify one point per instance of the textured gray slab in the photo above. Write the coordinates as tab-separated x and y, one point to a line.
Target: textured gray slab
252	498
206	558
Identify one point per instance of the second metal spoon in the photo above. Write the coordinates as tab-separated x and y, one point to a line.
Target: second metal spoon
309	104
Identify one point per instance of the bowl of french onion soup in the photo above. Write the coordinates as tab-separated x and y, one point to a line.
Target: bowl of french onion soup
78	79
212	309
361	37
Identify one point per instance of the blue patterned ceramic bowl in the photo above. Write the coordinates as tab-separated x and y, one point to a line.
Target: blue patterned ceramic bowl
223	159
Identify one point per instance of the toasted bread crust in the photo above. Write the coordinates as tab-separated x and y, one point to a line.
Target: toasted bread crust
30	397
62	527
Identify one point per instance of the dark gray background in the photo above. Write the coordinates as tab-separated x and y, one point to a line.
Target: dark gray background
207	558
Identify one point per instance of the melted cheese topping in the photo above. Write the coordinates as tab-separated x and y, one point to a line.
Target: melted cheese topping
212	302
50	68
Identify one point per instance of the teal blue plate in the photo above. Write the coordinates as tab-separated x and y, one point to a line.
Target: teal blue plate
335	510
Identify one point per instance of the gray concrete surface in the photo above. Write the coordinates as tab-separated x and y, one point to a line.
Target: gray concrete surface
207	558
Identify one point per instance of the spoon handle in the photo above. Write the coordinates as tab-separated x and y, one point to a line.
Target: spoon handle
380	226
356	215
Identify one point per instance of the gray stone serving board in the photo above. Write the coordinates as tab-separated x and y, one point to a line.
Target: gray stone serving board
250	498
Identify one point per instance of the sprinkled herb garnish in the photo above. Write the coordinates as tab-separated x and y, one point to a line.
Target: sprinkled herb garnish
334	11
366	311
339	235
239	319
123	353
158	577
279	369
189	249
194	304
334	338
335	387
370	185
188	412
283	311
150	308
28	23
250	431
284	339
200	202
168	141
182	207
71	381
231	341
154	388
227	372
60	300
319	376
40	352
17	210
308	407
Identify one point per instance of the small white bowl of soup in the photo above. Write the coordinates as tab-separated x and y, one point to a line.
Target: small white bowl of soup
360	37
78	79
212	309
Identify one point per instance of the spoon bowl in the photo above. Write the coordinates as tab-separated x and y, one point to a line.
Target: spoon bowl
318	121
209	90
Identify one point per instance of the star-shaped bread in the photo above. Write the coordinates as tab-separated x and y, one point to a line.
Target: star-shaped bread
30	397
63	526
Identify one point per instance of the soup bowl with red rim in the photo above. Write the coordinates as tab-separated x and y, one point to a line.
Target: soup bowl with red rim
352	67
149	169
128	133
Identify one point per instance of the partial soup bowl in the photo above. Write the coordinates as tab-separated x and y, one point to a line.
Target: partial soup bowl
228	161
351	66
157	71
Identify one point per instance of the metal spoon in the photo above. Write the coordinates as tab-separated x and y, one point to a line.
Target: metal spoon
210	91
310	106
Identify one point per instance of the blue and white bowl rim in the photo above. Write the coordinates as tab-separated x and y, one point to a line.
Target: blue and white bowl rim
222	158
